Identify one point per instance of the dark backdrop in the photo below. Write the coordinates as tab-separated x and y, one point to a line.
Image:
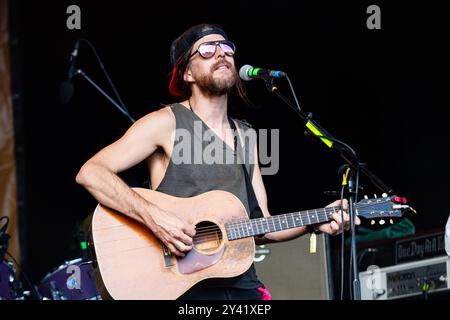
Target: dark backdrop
384	92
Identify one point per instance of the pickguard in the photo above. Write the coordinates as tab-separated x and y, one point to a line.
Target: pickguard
195	260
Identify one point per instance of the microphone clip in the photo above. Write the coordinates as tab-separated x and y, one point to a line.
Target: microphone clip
270	85
73	56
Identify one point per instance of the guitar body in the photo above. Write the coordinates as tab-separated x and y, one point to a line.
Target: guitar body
132	261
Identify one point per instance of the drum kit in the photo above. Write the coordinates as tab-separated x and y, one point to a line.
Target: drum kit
8	281
73	280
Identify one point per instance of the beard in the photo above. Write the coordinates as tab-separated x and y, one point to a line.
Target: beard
214	87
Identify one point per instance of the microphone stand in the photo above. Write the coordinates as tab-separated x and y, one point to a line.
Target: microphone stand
88	79
355	165
85	76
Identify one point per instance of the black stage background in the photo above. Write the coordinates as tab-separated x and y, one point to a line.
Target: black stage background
384	92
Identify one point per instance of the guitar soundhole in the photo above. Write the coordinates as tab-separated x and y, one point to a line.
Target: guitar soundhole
208	236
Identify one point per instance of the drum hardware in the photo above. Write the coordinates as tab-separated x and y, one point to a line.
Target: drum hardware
10	287
73	280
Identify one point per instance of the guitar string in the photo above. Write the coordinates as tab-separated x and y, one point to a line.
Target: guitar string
208	234
210	239
243	229
288	218
207	227
246	223
291	219
304	215
214	236
239	231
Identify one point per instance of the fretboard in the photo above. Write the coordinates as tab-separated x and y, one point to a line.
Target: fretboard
252	227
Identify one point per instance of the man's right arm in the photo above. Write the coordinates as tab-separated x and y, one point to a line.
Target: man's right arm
99	176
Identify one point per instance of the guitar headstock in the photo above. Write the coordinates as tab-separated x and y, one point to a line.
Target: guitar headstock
384	207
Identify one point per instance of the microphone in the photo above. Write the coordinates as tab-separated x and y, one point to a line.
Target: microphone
247	73
67	88
73	58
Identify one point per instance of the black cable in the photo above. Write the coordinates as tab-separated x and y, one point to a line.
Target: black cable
357	188
350	276
353	259
361	255
32	288
374	252
293	93
342	196
338	141
342	247
322	136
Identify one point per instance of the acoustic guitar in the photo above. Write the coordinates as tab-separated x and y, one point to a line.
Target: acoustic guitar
134	264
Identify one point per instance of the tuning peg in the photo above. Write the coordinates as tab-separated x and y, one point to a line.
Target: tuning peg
382	222
372	222
402	200
366	197
384	195
391	221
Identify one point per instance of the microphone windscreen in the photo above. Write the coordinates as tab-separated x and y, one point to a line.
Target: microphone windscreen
66	90
243	72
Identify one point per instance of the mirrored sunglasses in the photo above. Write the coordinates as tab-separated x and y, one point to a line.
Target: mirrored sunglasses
208	49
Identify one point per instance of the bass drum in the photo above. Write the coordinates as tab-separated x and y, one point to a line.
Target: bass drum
74	280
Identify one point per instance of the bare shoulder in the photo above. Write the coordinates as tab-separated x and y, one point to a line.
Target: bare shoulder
150	131
156	124
162	118
139	142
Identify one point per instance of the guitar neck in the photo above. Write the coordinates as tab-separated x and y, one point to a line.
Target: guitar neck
254	227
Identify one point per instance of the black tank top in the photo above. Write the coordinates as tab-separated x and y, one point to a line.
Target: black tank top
190	178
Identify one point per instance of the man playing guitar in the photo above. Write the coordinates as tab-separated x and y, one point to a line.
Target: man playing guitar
203	76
